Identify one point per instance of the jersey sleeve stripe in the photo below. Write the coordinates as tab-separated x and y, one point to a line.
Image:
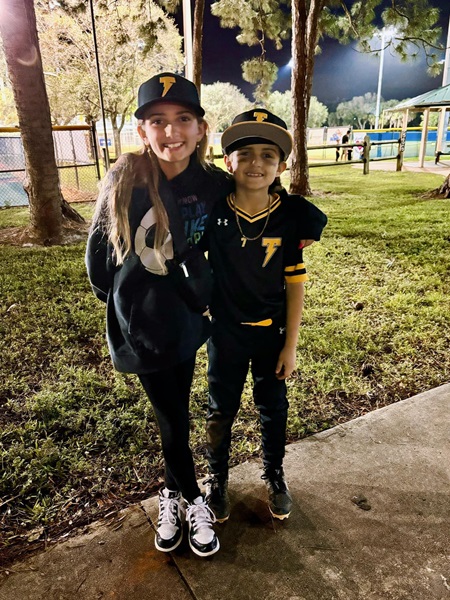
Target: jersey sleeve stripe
296	278
297	267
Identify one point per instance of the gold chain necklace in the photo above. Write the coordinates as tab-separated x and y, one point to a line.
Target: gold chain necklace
244	238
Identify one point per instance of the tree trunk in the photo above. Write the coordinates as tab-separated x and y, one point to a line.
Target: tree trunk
444	190
23	58
304	39
197	39
116	136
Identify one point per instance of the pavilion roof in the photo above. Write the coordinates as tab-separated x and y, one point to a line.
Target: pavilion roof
435	98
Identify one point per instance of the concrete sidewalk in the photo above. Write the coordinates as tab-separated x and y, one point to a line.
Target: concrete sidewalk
397	458
441	168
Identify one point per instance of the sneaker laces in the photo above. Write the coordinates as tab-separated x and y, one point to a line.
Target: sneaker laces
168	510
200	515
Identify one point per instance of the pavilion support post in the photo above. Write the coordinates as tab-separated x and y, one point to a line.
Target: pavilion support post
441	141
423	141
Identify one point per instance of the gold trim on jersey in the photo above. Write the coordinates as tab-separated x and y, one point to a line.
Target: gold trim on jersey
296	273
299	267
260	215
296	278
265	323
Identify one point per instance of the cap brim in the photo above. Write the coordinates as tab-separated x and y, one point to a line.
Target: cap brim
140	112
250	129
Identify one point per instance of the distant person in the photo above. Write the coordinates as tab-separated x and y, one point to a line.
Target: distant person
359	149
335	138
255	239
147	198
346	152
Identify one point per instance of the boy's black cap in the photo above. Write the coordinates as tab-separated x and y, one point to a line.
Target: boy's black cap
257	126
168	87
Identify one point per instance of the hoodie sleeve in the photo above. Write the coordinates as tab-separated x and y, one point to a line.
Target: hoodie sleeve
310	219
98	263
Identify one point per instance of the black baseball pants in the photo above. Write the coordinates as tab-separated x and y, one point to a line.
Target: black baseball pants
231	350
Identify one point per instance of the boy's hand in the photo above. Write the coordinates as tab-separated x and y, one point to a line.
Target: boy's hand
286	363
305	243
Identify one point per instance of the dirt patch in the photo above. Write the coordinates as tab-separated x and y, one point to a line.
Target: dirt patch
72	233
74	195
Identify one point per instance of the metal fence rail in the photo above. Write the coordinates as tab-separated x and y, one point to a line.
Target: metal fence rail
76	157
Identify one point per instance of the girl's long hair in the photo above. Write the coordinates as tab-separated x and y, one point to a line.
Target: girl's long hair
113	204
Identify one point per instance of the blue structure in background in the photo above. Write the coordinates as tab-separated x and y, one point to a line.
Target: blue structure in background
413	138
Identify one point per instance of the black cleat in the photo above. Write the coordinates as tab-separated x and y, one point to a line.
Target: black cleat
280	501
217	496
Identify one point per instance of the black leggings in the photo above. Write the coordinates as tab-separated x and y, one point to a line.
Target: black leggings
168	391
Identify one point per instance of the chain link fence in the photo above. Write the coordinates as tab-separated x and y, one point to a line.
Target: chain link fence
76	157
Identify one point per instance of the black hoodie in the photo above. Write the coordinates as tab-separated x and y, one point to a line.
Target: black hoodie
149	326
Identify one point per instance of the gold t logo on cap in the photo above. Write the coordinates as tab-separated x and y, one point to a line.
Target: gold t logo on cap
260	116
167	83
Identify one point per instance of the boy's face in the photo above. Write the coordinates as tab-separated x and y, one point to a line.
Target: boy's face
255	166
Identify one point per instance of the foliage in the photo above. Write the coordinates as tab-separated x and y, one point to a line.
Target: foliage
263	74
133	43
318	113
8	112
281	105
433	119
359	111
392	119
78	440
222	102
258	20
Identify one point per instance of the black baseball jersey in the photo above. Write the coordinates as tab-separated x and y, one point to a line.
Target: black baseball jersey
250	274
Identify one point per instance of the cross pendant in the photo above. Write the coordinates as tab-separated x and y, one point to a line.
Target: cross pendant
244	241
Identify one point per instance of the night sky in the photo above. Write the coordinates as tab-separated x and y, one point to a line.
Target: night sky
340	71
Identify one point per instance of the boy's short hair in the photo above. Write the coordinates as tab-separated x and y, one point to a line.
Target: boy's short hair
168	87
257	126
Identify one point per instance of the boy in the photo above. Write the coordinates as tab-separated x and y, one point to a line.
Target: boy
254	239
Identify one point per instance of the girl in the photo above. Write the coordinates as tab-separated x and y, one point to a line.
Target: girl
151	331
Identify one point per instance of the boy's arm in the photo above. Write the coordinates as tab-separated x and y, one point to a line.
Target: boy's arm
294	306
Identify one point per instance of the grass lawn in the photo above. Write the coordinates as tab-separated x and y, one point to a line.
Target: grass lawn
78	441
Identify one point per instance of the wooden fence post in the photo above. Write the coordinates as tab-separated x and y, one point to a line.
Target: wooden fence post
401	150
366	154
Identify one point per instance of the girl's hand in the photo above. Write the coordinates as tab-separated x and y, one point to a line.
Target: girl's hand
286	363
305	243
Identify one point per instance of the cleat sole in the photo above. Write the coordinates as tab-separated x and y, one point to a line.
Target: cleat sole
279	517
223	519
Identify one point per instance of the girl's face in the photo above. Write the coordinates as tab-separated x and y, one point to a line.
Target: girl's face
173	132
255	166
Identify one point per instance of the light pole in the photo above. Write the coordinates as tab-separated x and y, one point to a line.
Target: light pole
441	142
99	81
380	79
187	34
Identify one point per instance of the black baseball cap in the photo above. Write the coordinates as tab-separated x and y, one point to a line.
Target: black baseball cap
168	87
257	126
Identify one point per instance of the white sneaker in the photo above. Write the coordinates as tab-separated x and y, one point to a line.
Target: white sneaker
200	518
172	511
